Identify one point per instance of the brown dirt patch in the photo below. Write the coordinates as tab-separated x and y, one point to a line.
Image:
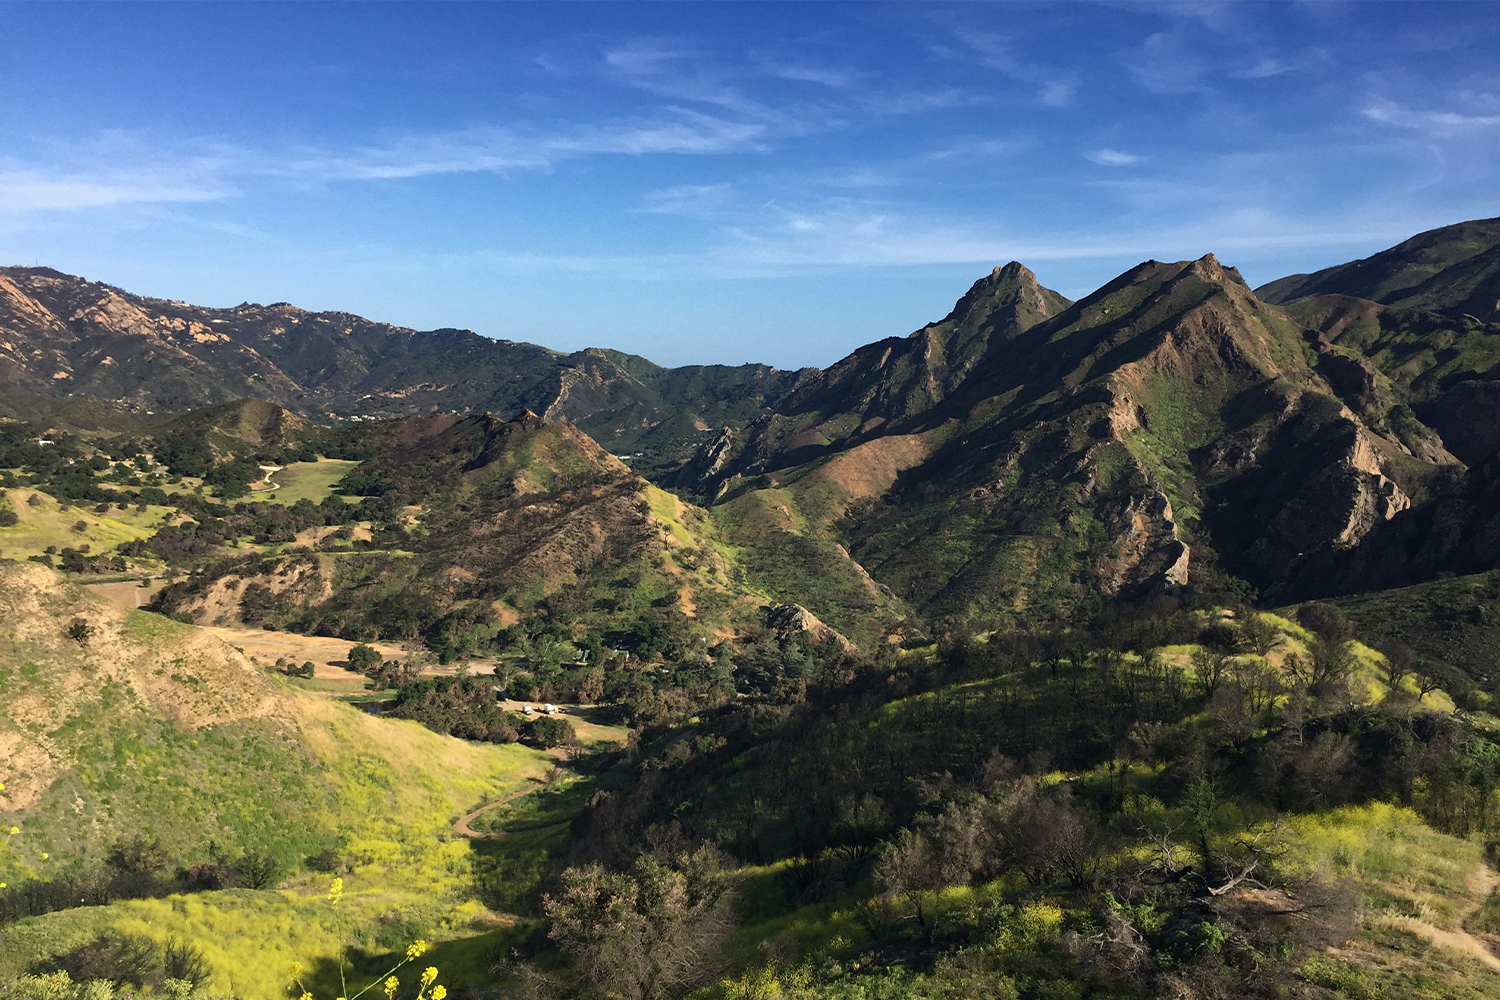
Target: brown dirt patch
180	673
326	653
870	469
127	593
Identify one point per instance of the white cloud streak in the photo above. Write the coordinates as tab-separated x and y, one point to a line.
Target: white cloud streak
1112	158
1435	122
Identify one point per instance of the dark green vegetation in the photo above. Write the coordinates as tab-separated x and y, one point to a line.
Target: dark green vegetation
1043	814
961	675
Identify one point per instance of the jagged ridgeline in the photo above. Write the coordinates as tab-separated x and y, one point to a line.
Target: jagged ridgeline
66	335
1026	453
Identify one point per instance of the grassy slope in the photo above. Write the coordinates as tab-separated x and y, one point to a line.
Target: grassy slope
1456	621
284	772
49	524
1417	888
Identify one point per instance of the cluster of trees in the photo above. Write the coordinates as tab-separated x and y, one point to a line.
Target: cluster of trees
654	930
122	961
138	869
467	707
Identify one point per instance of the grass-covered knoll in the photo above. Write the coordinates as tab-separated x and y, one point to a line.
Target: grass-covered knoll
792	557
1454	624
146	724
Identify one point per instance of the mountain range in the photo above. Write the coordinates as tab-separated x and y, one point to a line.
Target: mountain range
1022	455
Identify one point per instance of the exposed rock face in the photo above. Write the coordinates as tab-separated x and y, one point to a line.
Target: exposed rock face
1457	531
1147	554
709	461
1097	449
885	387
791	621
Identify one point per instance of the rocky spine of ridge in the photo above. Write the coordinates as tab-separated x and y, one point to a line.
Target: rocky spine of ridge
882	387
1170	425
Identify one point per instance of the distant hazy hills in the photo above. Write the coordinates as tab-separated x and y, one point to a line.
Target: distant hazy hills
1320	435
62	335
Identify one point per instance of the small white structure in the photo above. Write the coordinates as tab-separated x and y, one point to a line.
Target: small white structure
526	709
551	709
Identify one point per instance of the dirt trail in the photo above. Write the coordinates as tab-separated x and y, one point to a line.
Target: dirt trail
1458	940
271	484
463	829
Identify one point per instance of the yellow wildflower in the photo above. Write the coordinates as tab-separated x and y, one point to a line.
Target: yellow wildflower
45	855
15	830
391	985
428	975
439	992
306	995
297	970
417	950
336	892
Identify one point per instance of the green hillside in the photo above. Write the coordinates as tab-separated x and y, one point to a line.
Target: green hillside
152	729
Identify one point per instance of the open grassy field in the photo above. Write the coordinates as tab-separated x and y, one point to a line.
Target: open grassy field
384	793
305	481
327	654
50	524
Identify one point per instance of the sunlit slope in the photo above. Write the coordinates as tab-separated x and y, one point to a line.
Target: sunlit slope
151	727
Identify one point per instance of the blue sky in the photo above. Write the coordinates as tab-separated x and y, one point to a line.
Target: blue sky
725	182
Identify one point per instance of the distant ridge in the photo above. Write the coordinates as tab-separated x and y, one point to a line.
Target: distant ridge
1453	270
62	335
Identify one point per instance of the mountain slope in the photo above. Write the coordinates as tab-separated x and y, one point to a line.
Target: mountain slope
1453	270
60	335
148	725
483	520
1166	430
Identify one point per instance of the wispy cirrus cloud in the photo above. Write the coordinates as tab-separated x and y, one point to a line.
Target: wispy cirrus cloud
1165	64
700	201
83	177
115	167
497	149
1434	121
1055	88
27	190
1112	158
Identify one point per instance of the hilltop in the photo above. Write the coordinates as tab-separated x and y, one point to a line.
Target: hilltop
1454	270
